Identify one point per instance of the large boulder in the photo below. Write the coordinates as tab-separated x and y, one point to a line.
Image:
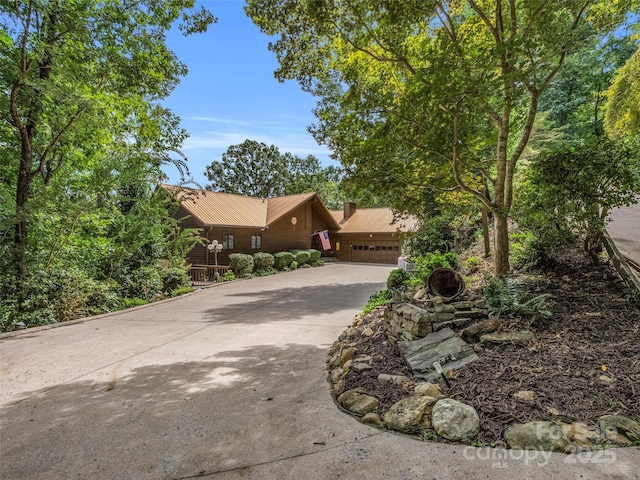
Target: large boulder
536	435
454	420
410	415
358	402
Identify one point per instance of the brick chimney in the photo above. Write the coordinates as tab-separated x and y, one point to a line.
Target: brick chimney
349	209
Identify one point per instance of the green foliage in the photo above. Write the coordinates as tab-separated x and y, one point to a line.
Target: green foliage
472	263
508	297
622	115
376	300
435	233
265	272
283	260
228	276
174	279
181	291
427	263
570	191
314	256
255	169
145	283
301	256
319	263
293	265
397	279
262	261
132	302
241	264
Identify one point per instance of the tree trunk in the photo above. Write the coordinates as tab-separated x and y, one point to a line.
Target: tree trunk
501	247
485	232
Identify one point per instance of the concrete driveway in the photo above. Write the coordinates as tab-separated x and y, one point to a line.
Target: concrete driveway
228	383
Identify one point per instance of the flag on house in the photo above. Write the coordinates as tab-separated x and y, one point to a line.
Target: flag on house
324	239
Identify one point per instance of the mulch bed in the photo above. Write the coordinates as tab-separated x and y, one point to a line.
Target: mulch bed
595	326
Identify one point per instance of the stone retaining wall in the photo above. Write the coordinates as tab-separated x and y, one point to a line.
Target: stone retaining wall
404	321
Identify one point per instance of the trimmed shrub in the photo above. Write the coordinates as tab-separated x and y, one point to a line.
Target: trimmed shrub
283	260
314	256
293	265
175	278
397	279
241	264
228	276
262	261
301	256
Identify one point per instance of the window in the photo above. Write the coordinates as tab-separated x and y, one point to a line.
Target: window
256	241
227	240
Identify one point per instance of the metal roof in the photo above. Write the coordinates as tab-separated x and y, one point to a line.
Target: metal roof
226	209
374	220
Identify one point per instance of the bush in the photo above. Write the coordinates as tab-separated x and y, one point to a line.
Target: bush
228	276
241	264
314	256
376	300
283	260
319	263
265	272
132	302
435	233
145	283
105	298
262	261
181	291
293	265
427	263
301	256
175	278
397	279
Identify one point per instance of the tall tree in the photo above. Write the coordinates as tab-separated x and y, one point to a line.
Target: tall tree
80	75
439	83
622	115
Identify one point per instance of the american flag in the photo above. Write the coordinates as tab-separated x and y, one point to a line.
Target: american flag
324	239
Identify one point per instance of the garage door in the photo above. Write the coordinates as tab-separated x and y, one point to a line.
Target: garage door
375	252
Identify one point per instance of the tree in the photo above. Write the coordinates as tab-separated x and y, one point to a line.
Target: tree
255	169
80	78
451	88
622	115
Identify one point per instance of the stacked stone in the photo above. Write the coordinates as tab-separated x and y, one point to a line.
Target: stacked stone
407	322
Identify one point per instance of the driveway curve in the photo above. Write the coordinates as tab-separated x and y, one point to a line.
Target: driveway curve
227	383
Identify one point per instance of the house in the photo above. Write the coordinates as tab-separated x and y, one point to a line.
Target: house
370	235
250	225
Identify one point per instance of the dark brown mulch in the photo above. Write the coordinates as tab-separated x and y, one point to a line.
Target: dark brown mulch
594	324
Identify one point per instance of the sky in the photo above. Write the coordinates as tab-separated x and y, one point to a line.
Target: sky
230	94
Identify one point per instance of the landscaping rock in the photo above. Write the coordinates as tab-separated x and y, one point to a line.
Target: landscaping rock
619	428
387	378
363	359
334	362
347	354
454	420
372	419
367	332
358	402
536	435
579	434
428	390
522	338
473	332
410	415
336	374
360	367
339	388
420	294
524	396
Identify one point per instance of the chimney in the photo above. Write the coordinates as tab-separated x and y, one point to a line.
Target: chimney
349	209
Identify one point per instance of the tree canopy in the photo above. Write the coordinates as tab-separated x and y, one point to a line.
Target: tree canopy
623	110
255	169
430	93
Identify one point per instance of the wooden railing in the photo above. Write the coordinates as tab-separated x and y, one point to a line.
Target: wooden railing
206	274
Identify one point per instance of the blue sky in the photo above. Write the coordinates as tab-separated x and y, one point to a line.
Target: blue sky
231	95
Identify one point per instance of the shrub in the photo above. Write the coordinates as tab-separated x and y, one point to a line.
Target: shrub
283	260
427	263
175	278
301	256
472	264
376	300
105	298
228	276
181	291
265	272
305	265
132	302
293	265
397	279
314	256
262	261
319	263
241	264
145	283
435	233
